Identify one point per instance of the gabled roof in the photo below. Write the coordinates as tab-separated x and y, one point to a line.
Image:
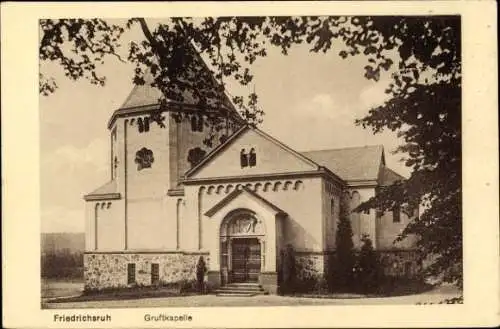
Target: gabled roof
105	192
233	195
234	137
353	163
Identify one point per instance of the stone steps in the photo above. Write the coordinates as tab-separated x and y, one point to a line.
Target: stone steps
240	290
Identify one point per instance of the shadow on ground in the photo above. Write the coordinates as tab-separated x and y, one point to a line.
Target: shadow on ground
393	288
388	289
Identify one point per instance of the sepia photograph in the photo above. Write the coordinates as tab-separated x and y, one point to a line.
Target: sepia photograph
244	161
198	165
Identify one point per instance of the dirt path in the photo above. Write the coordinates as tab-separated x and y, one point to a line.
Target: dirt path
61	288
433	296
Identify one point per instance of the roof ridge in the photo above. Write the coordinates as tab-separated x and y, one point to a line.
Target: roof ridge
344	148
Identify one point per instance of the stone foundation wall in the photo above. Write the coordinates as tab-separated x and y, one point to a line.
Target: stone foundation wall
310	265
312	270
400	263
395	263
109	270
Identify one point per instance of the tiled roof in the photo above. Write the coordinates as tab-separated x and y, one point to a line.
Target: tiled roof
144	98
354	163
143	95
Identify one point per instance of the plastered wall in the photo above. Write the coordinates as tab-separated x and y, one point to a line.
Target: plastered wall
299	198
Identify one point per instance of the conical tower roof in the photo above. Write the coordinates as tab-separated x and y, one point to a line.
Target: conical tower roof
145	97
142	95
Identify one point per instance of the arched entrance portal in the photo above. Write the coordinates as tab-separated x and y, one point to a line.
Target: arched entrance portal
242	246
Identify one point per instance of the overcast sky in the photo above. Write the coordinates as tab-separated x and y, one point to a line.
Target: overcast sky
310	100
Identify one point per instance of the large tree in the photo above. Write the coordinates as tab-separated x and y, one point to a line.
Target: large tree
424	106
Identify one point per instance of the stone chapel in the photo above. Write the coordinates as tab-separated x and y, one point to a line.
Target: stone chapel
170	199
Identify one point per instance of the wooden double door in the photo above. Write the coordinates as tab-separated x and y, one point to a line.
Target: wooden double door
245	260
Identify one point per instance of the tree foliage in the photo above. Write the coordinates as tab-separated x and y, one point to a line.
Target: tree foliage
425	110
424	105
288	270
62	264
345	258
77	45
368	268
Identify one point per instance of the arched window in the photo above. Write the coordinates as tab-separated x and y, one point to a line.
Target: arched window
355	216
332	208
396	214
298	185
211	189
146	124
140	125
194	123
199	124
243	159
252	161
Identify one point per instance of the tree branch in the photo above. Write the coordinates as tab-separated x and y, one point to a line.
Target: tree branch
147	32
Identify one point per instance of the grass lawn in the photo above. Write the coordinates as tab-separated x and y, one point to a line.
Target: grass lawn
133	293
52	288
